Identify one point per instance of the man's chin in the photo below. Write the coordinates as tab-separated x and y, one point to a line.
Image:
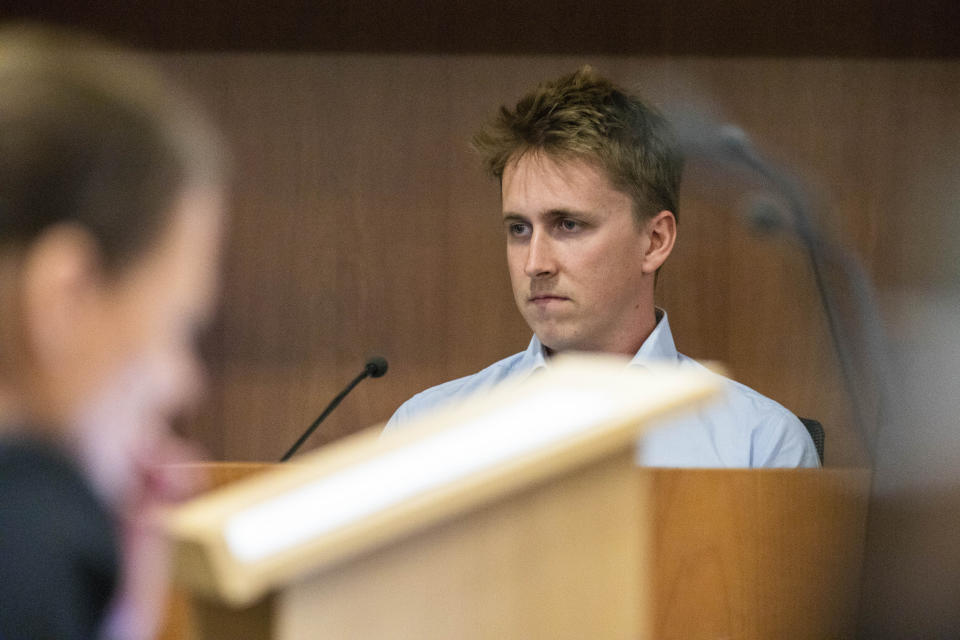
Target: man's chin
555	341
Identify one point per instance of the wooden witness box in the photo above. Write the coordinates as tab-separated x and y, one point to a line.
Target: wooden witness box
559	537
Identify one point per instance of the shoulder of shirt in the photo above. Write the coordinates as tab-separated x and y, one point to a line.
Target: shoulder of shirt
458	388
740	397
773	428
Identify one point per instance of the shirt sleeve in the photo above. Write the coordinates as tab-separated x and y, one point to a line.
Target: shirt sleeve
397	420
786	443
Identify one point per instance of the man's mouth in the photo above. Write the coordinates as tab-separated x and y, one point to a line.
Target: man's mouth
546	297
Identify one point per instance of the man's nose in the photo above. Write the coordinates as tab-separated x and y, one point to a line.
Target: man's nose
541	261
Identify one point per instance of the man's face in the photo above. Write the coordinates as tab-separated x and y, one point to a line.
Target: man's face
576	256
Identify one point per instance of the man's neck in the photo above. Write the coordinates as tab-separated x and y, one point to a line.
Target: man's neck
628	346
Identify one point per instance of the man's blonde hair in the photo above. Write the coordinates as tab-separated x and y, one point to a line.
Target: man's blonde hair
583	115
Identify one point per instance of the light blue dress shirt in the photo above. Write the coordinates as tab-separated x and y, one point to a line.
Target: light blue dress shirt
742	429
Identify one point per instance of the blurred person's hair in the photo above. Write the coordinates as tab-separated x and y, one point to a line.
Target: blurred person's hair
583	115
90	136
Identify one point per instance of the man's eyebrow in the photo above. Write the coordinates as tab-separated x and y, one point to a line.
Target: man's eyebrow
552	213
564	213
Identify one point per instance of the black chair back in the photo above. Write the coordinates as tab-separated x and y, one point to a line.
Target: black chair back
815	429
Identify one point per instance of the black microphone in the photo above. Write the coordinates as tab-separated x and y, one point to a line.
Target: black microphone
376	366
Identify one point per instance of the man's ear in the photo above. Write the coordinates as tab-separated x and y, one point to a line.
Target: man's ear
662	231
61	277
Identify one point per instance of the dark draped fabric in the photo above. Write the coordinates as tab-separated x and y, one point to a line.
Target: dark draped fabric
58	546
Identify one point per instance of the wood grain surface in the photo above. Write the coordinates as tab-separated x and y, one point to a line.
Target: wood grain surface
756	554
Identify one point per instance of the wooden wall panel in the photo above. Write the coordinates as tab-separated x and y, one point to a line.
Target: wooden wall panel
921	28
363	224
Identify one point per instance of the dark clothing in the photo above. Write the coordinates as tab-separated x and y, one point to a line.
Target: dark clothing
58	547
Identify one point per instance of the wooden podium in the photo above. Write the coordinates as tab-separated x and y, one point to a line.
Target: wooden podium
565	538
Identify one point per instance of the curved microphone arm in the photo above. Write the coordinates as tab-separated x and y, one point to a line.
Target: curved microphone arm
729	145
375	367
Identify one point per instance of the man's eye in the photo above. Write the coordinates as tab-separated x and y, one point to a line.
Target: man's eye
517	229
569	225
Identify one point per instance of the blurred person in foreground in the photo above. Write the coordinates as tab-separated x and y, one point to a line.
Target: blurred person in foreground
590	179
110	229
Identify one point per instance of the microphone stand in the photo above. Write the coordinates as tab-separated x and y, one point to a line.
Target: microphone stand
731	146
375	367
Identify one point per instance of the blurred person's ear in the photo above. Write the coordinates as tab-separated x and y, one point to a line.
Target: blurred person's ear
61	280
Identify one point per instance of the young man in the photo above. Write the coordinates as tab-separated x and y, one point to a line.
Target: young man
589	180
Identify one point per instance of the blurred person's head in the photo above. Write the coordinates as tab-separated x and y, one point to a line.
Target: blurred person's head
110	218
589	178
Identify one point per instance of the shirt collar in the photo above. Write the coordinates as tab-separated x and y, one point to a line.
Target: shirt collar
658	347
